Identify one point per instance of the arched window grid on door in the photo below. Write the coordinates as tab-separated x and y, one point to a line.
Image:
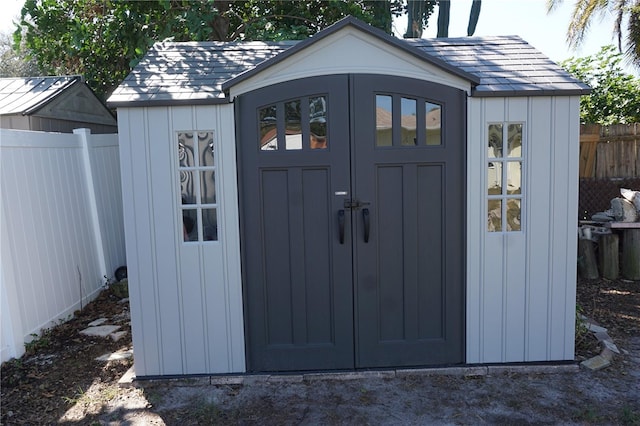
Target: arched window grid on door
298	124
407	121
197	184
505	161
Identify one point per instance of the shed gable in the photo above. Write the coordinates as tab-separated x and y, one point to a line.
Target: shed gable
347	50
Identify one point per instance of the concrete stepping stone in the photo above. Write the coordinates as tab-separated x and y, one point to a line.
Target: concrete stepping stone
100	330
114	356
97	322
118	335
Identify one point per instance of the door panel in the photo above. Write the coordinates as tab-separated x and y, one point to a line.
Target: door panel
409	275
296	275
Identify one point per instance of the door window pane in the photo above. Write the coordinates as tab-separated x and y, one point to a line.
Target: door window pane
408	121
495	141
268	128
515	140
189	225
209	225
494	216
293	128
494	178
433	123
205	142
318	122
187	190
513	214
185	149
207	187
384	120
514	176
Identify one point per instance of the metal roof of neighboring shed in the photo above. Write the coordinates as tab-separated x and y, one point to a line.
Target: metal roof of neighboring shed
200	72
25	95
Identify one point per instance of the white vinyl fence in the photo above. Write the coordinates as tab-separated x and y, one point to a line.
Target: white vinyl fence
61	227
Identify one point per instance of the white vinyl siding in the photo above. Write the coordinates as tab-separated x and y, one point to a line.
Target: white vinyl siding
186	299
521	285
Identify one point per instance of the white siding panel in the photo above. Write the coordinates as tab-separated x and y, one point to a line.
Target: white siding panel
515	296
231	237
476	205
493	300
187	311
192	280
138	235
164	240
217	308
564	225
521	285
539	211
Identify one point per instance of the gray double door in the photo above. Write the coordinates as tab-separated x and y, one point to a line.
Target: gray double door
352	223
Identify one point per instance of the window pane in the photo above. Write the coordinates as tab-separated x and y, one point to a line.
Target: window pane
384	121
187	191
494	216
268	128
494	178
293	130
495	140
185	149
514	177
208	187
318	122
189	228
433	124
513	215
209	225
515	140
205	144
408	121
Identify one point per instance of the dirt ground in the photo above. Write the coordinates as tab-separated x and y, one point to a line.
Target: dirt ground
59	381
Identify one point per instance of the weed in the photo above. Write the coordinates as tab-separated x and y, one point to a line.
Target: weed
205	411
589	415
38	342
582	332
629	416
75	399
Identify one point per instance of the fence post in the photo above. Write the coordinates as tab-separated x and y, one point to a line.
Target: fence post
84	135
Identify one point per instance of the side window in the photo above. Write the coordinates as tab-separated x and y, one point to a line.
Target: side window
197	170
295	124
504	177
407	122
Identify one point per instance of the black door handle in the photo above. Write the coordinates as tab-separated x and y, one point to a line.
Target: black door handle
341	225
367	224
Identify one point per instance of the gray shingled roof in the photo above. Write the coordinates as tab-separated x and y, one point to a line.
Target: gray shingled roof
506	65
196	72
191	72
24	95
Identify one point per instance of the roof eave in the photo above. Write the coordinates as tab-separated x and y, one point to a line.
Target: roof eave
166	102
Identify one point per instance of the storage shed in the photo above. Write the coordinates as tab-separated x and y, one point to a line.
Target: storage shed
350	201
53	104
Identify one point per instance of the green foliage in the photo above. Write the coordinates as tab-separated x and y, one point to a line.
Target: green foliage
615	97
38	342
13	60
104	39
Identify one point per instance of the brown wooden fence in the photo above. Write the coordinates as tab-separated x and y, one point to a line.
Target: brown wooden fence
610	151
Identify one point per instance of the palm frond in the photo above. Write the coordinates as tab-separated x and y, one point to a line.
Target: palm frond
582	16
632	51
